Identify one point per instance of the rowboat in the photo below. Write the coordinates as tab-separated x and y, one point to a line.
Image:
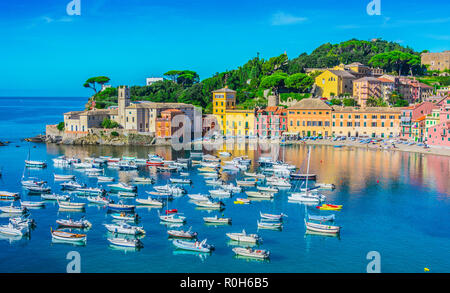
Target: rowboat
182	234
38	189
150	201
105	179
220	192
80	224
267	188
209	204
255	175
125	242
173	218
68	236
35	164
249	252
247	182
217	220
268	225
98	199
155	162
55	197
181	181
124	228
13	210
63	177
242	200
120	207
328	218
243	237
272	217
198	197
329	207
61	161
14	230
325	186
194	246
122	187
32	204
322	228
71	205
143	180
5	195
125	217
258	194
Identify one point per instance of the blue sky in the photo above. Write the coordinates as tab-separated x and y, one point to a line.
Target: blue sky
45	52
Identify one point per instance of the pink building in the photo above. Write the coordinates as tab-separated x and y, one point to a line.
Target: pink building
411	114
271	121
365	88
439	135
420	91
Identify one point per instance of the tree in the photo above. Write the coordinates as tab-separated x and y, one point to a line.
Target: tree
60	126
336	102
93	81
173	74
299	81
349	102
400	61
108	123
274	82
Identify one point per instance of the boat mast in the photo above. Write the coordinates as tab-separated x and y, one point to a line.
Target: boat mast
307	170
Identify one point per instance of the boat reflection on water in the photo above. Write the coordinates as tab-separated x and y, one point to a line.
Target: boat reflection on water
109	234
328	235
80	210
14	238
73	243
172	225
239	243
201	255
252	259
125	249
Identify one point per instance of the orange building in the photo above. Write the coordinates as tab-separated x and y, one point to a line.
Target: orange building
310	117
164	127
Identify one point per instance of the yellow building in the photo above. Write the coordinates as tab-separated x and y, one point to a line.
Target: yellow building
310	117
334	83
223	99
240	122
366	122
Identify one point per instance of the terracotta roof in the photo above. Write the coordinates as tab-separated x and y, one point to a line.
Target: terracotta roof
382	79
341	73
224	90
172	111
367	78
310	103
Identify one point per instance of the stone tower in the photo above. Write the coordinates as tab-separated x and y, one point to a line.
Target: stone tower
273	101
123	100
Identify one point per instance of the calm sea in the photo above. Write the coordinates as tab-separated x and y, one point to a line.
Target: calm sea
394	203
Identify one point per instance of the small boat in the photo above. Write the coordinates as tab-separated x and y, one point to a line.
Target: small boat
249	252
122	187
242	201
272	217
210	158
258	194
207	170
173	218
150	201
127	166
13	209
71	185
105	179
22	221
229	167
89	191
171	211
120	207
125	217
143	180
71	205
80	224
55	197
329	207
267	189
32	204
181	181
210	175
155	162
305	197
321	228
243	237
279	183
268	225
160	195
5	195
68	236
209	204
124	228
125	242
194	246
217	220
182	234
63	177
220	192
247	182
35	164
325	186
32	181
231	188
14	230
126	194
98	199
199	197
184	174
329	218
255	175
38	189
61	162
295	176
174	190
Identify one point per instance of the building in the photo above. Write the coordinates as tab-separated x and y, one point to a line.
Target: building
387	86
365	88
240	123
152	80
410	116
79	122
271	121
443	91
309	117
223	99
436	61
164	126
360	70
365	122
334	83
418	129
439	134
431	120
419	91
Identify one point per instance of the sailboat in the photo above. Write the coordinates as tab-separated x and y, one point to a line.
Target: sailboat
306	196
34	164
170	216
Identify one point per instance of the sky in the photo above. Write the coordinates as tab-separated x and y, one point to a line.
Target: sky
47	52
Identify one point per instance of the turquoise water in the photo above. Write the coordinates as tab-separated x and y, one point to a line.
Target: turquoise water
395	203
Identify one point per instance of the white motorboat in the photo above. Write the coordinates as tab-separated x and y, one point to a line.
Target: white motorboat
272	217
126	194
216	220
231	188
14	230
125	217
210	175
253	253
181	181
70	223
124	242
55	197
199	197
220	193
244	237
182	234
68	205
321	228
150	201
5	195
32	204
259	194
13	209
326	186
22	221
267	189
172	218
216	182
142	180
71	185
174	190
255	175
124	228
224	154
98	199
122	187
63	177
209	204
247	182
279	183
105	179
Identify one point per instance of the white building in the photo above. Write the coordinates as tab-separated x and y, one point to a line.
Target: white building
152	80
